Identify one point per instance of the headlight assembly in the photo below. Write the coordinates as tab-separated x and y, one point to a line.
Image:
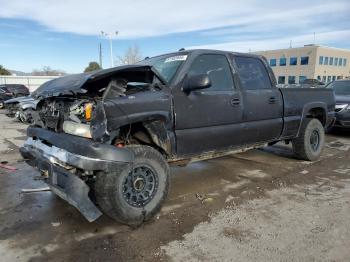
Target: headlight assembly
76	129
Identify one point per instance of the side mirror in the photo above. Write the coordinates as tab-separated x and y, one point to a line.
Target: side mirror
197	82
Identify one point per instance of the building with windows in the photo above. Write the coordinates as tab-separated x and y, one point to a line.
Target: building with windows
293	65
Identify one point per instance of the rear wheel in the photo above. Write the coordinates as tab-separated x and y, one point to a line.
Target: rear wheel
309	145
132	195
1	104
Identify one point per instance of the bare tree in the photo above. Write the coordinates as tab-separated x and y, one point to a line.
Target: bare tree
131	56
47	71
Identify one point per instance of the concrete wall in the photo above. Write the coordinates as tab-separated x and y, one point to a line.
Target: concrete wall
32	82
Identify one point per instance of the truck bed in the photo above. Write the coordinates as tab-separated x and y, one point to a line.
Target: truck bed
296	102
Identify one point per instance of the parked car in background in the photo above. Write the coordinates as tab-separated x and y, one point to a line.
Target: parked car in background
21	108
110	134
342	97
9	91
312	83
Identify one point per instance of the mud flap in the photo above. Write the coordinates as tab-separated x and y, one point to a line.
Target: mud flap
72	189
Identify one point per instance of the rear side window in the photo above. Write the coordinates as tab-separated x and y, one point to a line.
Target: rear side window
218	69
252	73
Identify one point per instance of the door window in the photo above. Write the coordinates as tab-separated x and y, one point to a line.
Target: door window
218	69
252	73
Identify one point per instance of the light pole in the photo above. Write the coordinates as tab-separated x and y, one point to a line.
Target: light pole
109	37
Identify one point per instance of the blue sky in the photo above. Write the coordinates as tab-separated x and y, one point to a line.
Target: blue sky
65	35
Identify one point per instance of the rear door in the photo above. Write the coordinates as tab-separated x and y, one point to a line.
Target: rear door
208	119
263	102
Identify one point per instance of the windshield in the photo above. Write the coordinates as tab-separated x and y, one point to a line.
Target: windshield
166	65
340	87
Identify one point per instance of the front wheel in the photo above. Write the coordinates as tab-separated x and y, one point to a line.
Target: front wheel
310	142
132	195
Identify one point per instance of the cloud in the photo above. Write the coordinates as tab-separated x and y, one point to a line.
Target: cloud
278	42
144	18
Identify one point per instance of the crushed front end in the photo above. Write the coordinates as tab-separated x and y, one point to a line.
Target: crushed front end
69	142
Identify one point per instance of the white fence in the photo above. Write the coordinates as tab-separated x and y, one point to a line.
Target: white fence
32	82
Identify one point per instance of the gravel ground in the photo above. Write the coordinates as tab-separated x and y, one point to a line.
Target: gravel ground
292	224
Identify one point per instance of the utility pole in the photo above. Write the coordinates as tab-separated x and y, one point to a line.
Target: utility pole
100	54
110	38
111	49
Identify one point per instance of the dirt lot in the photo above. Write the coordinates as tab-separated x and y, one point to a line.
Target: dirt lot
262	205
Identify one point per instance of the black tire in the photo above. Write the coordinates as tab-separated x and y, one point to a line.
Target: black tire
114	191
310	142
2	104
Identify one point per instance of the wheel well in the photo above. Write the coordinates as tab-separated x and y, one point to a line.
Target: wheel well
318	113
139	133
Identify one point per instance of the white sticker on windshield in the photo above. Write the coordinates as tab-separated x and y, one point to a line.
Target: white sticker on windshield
176	58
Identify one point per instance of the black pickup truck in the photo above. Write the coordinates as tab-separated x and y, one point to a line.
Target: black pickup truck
104	140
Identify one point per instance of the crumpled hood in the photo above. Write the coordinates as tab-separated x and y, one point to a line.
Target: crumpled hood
73	84
342	99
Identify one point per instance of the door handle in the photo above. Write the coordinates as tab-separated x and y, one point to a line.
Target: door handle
272	100
235	101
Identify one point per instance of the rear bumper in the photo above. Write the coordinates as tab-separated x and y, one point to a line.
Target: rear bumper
58	155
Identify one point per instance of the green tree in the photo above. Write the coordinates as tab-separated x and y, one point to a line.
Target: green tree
4	71
92	67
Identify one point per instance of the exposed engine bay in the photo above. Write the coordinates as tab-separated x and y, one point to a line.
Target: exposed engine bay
72	112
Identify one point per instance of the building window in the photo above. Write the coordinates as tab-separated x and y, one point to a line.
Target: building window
281	79
283	61
336	61
324	79
302	79
340	61
272	62
291	80
325	62
333	78
329	78
339	77
304	60
319	78
331	61
344	62
321	60
293	61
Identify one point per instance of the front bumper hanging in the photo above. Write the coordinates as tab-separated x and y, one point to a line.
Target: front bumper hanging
56	153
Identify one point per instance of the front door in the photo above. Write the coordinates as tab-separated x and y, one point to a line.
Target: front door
208	119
